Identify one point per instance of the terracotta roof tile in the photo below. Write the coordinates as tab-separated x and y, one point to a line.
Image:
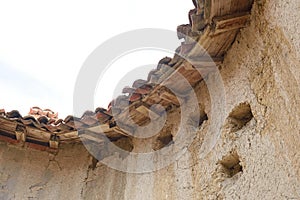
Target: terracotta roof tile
13	114
135	97
57	122
164	61
89	120
128	90
2	111
88	113
43	119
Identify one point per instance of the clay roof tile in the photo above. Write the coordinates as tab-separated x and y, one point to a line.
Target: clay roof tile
43	119
138	83
13	114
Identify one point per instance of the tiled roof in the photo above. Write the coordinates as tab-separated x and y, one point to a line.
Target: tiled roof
212	24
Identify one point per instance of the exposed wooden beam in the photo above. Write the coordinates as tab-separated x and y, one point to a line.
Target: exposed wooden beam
230	22
54	141
21	133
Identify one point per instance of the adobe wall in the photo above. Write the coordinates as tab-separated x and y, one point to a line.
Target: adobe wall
256	156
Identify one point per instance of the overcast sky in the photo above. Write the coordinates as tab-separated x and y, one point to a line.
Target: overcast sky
43	44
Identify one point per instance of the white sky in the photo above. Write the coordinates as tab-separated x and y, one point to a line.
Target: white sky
44	43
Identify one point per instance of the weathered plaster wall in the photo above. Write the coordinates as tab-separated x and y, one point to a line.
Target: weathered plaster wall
256	159
262	71
33	174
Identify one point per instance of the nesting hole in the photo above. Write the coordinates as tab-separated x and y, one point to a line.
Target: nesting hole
163	141
166	140
240	116
203	117
199	117
231	164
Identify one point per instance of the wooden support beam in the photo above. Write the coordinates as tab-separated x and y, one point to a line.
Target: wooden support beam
99	129
8	125
69	136
90	137
205	61
147	112
230	22
38	134
21	133
170	97
54	141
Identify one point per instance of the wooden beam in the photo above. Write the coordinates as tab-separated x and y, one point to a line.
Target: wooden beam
230	22
40	135
54	141
8	125
20	133
205	61
91	138
168	96
147	112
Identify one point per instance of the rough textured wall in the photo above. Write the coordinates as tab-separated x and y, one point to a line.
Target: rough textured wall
256	156
33	174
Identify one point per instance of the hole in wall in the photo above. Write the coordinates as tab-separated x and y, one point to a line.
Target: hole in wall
231	164
239	117
166	140
124	143
201	116
163	140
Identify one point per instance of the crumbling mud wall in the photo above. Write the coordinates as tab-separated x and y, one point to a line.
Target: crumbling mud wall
256	155
33	174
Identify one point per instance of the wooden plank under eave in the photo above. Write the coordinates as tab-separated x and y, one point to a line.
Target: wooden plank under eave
53	144
220	8
130	116
91	138
228	43
152	98
229	23
147	112
100	129
203	43
194	77
167	96
207	9
138	118
114	134
8	125
218	41
205	61
121	131
38	134
238	6
69	136
21	136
